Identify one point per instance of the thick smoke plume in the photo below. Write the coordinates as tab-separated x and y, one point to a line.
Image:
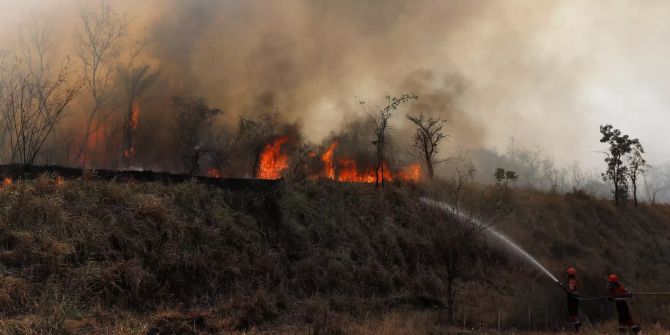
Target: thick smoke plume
493	69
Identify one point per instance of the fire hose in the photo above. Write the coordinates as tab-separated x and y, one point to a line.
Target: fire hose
626	297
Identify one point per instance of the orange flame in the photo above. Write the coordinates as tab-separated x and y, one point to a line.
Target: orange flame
272	161
59	181
134	116
327	159
411	173
7	182
213	173
348	172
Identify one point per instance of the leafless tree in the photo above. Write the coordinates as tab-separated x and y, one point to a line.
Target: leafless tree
32	105
99	41
194	131
380	117
254	132
136	79
472	212
34	94
427	138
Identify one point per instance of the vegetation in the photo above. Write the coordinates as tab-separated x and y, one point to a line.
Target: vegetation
125	258
622	147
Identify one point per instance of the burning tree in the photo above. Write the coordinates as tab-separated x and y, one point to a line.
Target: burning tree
136	79
620	146
380	118
34	94
194	133
427	139
254	133
98	41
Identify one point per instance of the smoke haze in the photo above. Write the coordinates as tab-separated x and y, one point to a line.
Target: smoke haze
545	73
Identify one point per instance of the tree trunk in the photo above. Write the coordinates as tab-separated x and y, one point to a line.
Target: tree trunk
634	182
616	191
128	138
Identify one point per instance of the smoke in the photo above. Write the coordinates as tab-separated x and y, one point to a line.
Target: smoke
545	73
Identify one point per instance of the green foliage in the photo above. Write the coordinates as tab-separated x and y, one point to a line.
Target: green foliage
620	148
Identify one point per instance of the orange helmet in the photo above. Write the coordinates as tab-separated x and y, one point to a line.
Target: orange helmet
571	271
613	278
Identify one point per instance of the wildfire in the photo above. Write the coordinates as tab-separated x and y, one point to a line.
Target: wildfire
327	159
347	170
411	173
272	161
134	116
213	173
7	182
59	181
341	168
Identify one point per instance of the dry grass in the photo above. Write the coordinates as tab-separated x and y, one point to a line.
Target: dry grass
94	257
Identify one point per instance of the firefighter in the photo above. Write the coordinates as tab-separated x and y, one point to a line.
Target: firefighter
619	294
573	298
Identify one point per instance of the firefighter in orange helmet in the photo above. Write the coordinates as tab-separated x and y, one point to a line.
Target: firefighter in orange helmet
619	294
571	290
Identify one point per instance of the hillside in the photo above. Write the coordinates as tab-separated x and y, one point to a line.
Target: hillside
91	256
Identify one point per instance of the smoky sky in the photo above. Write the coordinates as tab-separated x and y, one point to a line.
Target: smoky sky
545	73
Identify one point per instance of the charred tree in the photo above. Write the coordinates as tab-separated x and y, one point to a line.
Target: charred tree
194	131
137	79
98	41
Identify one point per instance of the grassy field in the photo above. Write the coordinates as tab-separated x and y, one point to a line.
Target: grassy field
99	257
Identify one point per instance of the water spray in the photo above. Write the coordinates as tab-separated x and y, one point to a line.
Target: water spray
520	251
495	234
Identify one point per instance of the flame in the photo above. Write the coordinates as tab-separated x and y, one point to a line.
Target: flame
134	116
411	173
7	182
348	172
327	159
272	161
129	153
213	173
59	181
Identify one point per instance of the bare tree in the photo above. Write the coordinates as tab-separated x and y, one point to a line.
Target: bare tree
427	139
34	94
32	105
98	40
637	166
194	133
472	212
380	117
137	79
